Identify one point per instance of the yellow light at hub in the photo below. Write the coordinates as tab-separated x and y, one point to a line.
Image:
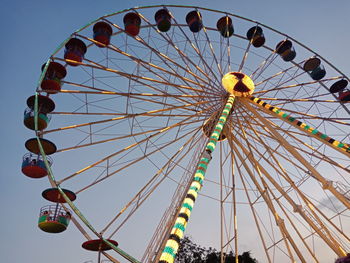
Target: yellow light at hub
238	84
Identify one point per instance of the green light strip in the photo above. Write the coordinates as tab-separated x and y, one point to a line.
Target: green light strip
301	125
177	232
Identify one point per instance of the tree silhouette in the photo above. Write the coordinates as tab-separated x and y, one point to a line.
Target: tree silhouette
189	252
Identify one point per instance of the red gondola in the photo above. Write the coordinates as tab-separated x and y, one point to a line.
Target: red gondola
102	33
344	96
98	245
338	86
132	23
54	74
54	195
75	50
33	166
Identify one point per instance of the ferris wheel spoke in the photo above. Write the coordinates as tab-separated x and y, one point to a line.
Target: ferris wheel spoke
218	65
124	136
276	166
259	221
163	230
292	86
130	163
245	55
136	78
132	95
133	134
208	67
338	230
261	148
270	160
288	147
263	190
152	113
314	152
265	65
234	200
309	215
146	97
80	85
209	72
109	140
229	230
305	116
116	114
157	132
290	181
225	53
272	155
163	173
295	228
276	75
253	211
260	69
166	59
337	145
149	66
290	77
300	100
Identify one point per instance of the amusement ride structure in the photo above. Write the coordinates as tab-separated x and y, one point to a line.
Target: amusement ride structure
141	112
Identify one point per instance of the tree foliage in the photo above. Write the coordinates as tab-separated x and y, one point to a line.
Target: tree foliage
189	252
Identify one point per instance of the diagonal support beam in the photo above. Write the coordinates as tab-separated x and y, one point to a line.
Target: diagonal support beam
274	111
177	233
326	184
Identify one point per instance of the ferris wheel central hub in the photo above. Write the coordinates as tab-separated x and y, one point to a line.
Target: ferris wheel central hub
238	84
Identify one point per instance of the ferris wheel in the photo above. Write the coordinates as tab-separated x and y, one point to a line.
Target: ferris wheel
142	113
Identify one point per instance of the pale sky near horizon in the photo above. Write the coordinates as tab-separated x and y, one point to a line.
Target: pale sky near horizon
31	32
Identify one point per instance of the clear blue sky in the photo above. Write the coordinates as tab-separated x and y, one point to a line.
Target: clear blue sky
31	30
